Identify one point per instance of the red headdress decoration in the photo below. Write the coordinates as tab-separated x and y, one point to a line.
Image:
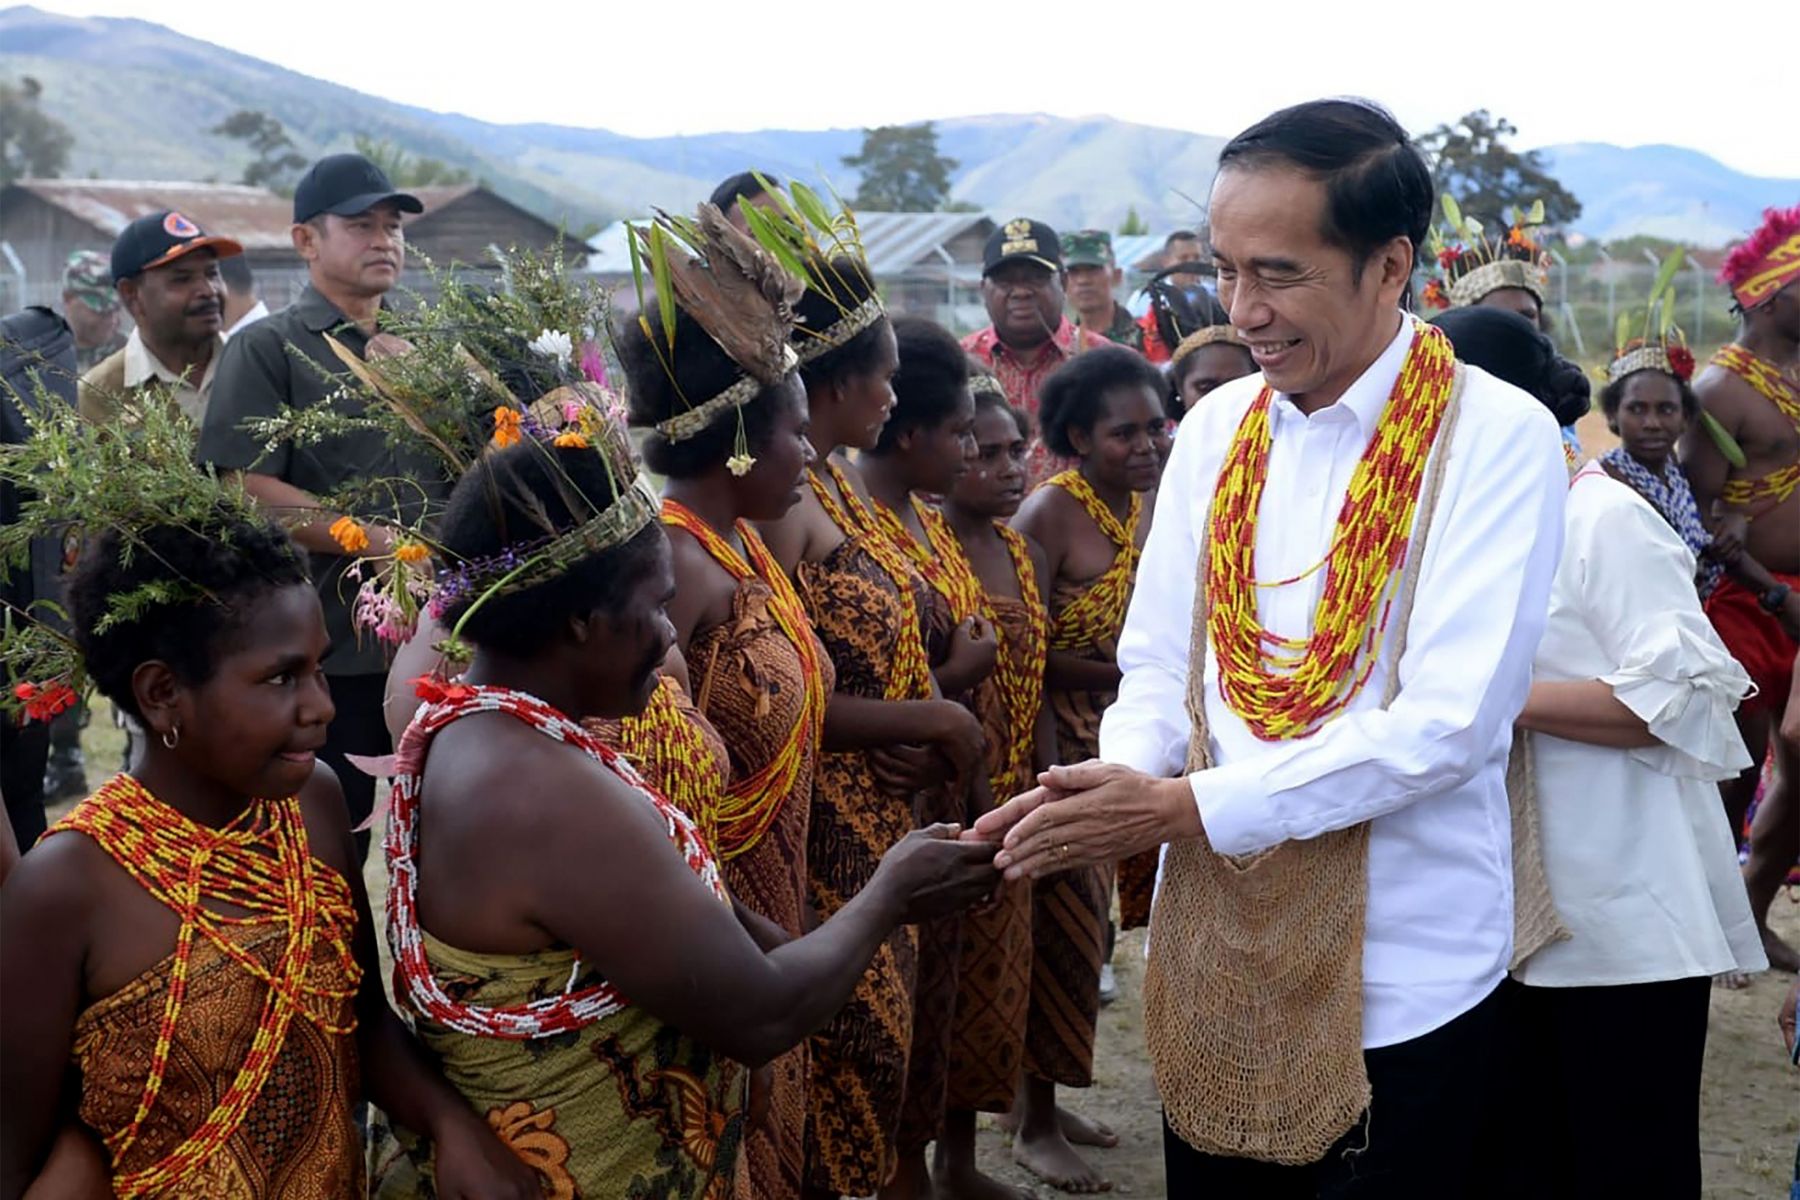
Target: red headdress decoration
1765	262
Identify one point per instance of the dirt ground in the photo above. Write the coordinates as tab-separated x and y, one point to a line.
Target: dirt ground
1749	1120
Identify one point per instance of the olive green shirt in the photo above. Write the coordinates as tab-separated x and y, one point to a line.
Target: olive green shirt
283	361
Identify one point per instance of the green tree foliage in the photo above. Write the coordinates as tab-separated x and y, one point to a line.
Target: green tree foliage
33	144
1471	161
1133	225
277	162
410	170
902	170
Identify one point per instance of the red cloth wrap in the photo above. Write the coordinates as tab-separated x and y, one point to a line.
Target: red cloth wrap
1756	639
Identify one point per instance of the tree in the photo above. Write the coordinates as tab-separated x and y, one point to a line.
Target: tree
33	144
902	170
1472	162
1133	225
405	170
277	161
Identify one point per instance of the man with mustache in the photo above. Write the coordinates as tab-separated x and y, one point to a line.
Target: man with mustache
347	229
1022	282
165	269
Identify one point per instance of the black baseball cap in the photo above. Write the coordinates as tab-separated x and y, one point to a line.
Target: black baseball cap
1022	240
159	238
345	185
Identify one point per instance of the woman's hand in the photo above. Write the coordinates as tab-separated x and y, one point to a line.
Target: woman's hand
974	651
906	768
472	1163
933	874
958	734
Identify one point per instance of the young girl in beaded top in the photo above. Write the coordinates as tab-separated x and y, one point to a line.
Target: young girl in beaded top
190	973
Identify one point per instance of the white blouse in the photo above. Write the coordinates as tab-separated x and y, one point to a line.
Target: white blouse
1639	854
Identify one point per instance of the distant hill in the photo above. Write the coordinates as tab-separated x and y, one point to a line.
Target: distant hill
148	120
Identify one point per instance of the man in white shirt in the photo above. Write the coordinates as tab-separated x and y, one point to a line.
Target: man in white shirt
242	305
1321	1018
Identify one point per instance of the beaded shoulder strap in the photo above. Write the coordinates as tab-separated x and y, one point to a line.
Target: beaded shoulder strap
572	1009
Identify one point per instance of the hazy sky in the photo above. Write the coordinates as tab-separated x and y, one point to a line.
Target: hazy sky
1569	70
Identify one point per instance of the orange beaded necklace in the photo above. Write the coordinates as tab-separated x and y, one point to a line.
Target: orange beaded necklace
750	805
948	573
258	863
1287	687
665	745
910	678
1099	612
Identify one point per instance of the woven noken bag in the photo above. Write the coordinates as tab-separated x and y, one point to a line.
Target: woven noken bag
1253	992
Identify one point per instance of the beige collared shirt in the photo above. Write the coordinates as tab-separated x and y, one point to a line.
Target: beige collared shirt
102	388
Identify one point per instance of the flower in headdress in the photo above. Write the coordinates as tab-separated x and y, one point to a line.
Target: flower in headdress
1449	256
571	439
1435	295
593	366
1681	361
554	345
507	422
740	464
349	534
1517	236
434	689
412	552
46	700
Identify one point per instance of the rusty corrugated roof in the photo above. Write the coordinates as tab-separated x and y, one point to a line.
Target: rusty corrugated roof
254	216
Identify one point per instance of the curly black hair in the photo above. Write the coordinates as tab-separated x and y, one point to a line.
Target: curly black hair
520	496
850	283
702	371
1072	395
1508	346
933	376
218	571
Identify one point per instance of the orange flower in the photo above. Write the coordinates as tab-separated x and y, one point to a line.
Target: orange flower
506	426
412	552
350	535
569	438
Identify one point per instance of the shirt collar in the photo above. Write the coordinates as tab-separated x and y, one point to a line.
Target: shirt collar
1062	343
319	314
142	365
1364	400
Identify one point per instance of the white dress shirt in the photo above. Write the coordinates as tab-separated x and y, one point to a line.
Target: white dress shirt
142	367
1429	771
1636	845
255	313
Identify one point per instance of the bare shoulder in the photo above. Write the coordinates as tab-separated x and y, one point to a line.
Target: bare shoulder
55	885
1045	512
327	818
1726	395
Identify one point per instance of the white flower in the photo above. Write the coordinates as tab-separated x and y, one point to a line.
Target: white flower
740	464
553	344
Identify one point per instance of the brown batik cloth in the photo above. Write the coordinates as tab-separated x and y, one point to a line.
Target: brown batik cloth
747	679
1253	991
298	1141
859	1060
940	948
1069	909
987	1052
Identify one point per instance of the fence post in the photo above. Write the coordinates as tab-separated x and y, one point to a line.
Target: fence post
1612	286
1699	300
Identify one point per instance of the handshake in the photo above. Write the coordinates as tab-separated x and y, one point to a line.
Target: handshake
1078	816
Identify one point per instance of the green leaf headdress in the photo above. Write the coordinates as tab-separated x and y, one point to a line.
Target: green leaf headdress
130	476
819	244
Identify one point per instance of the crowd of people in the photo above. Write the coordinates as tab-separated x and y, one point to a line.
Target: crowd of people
781	705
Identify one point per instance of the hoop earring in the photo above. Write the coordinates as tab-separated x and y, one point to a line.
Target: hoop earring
172	738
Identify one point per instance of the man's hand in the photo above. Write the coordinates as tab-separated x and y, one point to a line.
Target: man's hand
1086	815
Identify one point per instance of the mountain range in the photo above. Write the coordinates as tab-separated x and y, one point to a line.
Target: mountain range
141	98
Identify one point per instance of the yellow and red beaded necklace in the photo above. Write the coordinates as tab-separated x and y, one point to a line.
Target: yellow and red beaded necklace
1286	687
910	678
750	804
258	863
950	577
1099	612
1772	385
666	746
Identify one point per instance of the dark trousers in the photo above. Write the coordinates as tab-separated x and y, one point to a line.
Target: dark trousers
1429	1098
1603	1084
360	727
